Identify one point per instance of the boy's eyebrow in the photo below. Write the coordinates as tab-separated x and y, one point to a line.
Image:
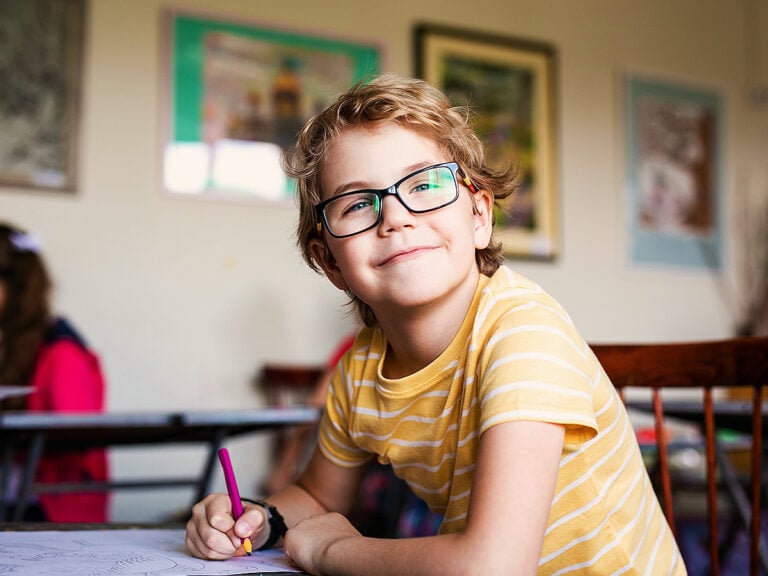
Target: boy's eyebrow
362	185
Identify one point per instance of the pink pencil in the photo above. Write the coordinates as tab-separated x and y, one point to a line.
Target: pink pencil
234	493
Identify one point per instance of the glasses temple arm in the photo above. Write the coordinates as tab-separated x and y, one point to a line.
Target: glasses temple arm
467	182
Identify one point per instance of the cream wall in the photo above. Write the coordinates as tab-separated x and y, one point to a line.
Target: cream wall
186	299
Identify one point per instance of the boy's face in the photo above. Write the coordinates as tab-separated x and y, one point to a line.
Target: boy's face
408	260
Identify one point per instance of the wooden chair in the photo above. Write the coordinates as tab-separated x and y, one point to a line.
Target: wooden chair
740	362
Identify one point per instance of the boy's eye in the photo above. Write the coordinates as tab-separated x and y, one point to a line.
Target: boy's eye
357	204
429	186
425	186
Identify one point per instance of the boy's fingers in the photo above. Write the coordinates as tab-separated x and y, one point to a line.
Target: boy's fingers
207	542
210	531
251	524
218	512
213	533
200	550
224	524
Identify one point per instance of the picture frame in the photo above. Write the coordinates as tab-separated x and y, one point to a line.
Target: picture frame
508	84
673	139
237	93
41	66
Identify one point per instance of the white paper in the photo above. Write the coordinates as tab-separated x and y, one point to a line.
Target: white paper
116	552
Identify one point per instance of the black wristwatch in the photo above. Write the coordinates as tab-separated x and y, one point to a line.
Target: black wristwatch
277	527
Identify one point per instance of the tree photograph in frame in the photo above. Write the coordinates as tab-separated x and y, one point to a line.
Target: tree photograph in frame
41	58
508	86
673	173
238	95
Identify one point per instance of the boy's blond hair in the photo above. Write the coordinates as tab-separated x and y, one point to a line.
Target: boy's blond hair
412	104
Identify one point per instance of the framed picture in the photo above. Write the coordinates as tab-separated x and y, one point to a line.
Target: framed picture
673	173
509	86
41	61
237	96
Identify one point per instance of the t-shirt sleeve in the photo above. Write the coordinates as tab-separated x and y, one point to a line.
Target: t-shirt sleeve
536	366
334	438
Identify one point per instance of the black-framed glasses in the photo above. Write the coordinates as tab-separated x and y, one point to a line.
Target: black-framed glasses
425	190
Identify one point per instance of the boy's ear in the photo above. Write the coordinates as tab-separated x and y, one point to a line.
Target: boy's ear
322	255
483	218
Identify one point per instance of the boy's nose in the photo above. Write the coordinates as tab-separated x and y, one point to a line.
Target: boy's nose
394	213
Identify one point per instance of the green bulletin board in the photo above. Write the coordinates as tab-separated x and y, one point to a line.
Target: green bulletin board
237	96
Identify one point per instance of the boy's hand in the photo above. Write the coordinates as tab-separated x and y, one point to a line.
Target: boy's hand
307	543
212	533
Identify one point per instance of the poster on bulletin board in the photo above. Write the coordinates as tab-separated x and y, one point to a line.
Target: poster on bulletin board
236	96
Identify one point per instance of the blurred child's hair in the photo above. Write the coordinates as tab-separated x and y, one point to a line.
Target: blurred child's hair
25	315
412	104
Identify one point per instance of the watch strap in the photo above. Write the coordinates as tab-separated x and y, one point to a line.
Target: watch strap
277	527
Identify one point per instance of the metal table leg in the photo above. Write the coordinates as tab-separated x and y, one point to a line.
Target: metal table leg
205	478
28	476
5	474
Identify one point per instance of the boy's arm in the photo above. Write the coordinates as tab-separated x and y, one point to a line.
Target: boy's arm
514	483
323	487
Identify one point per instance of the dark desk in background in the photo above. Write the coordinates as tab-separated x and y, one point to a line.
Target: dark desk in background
35	434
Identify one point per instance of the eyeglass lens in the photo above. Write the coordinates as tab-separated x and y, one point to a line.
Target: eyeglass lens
420	192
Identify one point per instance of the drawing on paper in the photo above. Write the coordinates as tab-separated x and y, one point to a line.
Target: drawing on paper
117	552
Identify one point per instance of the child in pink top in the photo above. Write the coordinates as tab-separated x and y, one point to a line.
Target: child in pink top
47	354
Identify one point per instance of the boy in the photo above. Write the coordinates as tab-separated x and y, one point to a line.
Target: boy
468	378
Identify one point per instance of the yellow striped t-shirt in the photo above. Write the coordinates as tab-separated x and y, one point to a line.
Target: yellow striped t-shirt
517	356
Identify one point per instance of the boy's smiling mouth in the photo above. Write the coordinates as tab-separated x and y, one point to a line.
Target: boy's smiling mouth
404	254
